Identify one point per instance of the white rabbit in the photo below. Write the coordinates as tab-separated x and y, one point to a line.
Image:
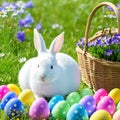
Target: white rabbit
50	73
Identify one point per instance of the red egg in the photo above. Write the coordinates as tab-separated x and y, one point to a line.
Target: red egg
39	109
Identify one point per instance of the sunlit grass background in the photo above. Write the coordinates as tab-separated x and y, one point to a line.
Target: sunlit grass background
70	14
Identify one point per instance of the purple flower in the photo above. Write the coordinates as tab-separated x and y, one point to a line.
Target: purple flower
39	26
5	4
21	36
29	4
27	21
118	5
108	52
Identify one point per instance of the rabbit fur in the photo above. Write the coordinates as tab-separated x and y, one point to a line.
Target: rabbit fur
51	72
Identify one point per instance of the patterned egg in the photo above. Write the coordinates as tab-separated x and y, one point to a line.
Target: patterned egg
14	108
118	106
89	103
0	107
3	90
6	98
116	115
14	88
54	100
100	115
60	110
115	95
27	97
86	91
39	110
99	94
77	112
107	103
73	98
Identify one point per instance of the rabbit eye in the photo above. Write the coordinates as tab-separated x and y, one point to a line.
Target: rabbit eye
51	67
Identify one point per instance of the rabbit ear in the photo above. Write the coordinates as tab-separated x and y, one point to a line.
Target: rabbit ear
39	42
57	43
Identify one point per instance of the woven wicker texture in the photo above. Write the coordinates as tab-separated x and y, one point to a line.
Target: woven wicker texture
99	73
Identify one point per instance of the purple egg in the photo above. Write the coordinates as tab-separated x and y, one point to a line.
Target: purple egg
39	109
89	103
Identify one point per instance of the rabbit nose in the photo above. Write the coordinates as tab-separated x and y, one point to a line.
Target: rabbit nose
43	78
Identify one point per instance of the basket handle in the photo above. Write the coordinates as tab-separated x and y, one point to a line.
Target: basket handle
92	14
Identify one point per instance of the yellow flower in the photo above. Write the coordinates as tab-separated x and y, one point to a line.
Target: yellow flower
28	30
1	13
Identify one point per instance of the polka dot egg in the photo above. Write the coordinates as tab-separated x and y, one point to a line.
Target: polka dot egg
60	110
107	103
3	90
77	112
73	98
99	94
39	110
14	108
100	115
89	103
6	98
54	100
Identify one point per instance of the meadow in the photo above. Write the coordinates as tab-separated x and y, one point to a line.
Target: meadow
54	17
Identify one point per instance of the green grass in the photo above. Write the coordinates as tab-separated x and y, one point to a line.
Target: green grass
71	14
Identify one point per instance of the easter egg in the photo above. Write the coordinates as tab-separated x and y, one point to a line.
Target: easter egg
6	98
54	100
116	115
86	91
99	94
115	95
14	88
27	97
60	110
118	106
107	103
73	98
3	90
100	115
77	112
89	103
39	110
14	108
0	107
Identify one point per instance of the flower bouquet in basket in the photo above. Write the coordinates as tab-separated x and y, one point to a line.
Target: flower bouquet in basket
99	56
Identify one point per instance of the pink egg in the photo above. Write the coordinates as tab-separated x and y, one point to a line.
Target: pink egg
3	90
116	115
99	94
39	110
107	103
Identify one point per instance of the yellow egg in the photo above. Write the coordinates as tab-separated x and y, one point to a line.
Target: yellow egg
116	115
115	95
14	88
100	115
26	97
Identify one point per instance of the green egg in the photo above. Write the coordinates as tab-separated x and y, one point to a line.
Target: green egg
118	106
60	110
73	98
86	91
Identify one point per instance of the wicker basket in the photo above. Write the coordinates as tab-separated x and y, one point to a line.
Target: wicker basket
99	73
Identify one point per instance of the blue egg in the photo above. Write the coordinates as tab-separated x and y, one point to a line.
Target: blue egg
14	108
54	100
6	98
0	107
77	112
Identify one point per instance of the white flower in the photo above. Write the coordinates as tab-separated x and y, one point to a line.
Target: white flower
23	59
2	55
54	26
